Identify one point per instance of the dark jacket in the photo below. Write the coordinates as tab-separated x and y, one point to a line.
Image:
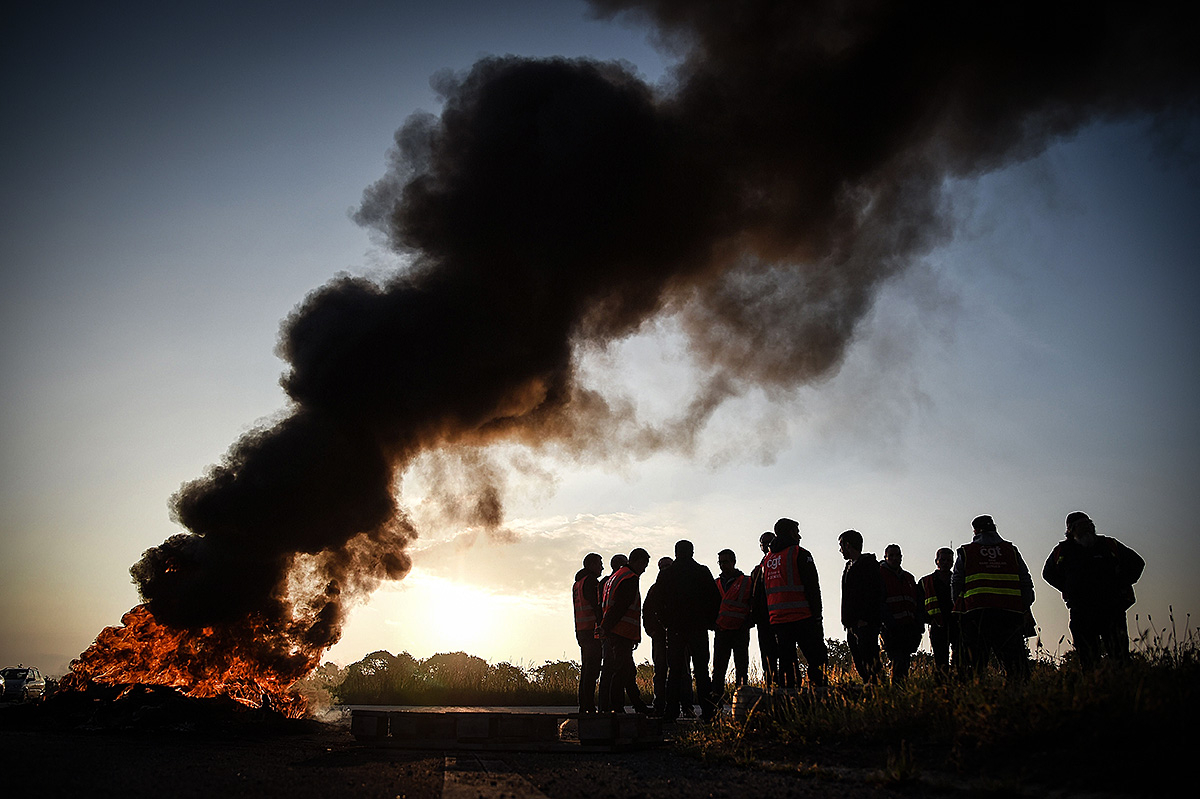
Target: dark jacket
862	592
652	612
907	597
758	599
1099	577
688	596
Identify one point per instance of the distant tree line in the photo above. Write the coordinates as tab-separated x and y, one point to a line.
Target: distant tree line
456	678
451	678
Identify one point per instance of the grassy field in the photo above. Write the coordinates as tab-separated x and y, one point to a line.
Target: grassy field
1125	727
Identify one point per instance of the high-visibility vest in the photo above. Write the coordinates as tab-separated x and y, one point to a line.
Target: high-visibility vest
901	594
735	603
786	600
585	612
991	577
933	607
630	625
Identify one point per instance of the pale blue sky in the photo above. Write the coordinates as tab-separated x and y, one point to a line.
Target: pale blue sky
174	185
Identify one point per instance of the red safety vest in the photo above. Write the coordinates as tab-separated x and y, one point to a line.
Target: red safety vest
901	592
786	600
630	625
585	613
992	577
933	608
735	603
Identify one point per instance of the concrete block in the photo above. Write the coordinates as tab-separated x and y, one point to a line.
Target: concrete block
473	727
368	724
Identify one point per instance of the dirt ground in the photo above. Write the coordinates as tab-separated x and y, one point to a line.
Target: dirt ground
322	763
307	758
58	755
328	762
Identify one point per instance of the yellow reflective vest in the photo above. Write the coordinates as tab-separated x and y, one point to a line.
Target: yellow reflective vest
992	579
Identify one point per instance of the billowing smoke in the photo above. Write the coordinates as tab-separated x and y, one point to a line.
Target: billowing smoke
797	158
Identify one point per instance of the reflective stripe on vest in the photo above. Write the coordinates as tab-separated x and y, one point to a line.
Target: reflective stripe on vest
630	625
991	577
735	604
901	601
786	600
585	614
933	608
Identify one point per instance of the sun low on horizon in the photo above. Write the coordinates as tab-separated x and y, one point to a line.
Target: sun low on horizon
425	614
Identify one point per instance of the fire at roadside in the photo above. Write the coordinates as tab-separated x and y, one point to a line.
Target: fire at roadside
143	659
149	709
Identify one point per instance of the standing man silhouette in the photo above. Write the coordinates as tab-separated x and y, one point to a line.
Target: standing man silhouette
621	630
690	603
862	605
992	590
943	624
794	606
585	596
732	635
1095	574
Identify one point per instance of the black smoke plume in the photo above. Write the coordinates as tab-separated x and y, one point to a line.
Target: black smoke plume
796	158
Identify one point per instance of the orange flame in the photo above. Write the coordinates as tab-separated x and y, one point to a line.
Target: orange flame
208	662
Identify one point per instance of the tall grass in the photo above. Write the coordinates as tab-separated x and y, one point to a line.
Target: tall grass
1060	715
1166	646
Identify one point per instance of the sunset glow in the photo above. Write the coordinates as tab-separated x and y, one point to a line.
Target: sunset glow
226	350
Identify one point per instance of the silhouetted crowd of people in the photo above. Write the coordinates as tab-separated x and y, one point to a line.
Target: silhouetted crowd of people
976	605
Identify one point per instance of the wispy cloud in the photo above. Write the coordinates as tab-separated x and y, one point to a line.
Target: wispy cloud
545	554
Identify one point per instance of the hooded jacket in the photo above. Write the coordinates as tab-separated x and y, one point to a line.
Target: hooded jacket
1099	577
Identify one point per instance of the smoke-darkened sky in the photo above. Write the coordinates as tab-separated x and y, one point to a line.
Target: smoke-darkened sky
870	272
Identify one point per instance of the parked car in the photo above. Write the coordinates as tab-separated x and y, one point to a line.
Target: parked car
22	683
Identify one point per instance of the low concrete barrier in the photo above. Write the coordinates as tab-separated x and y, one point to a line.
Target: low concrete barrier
497	730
